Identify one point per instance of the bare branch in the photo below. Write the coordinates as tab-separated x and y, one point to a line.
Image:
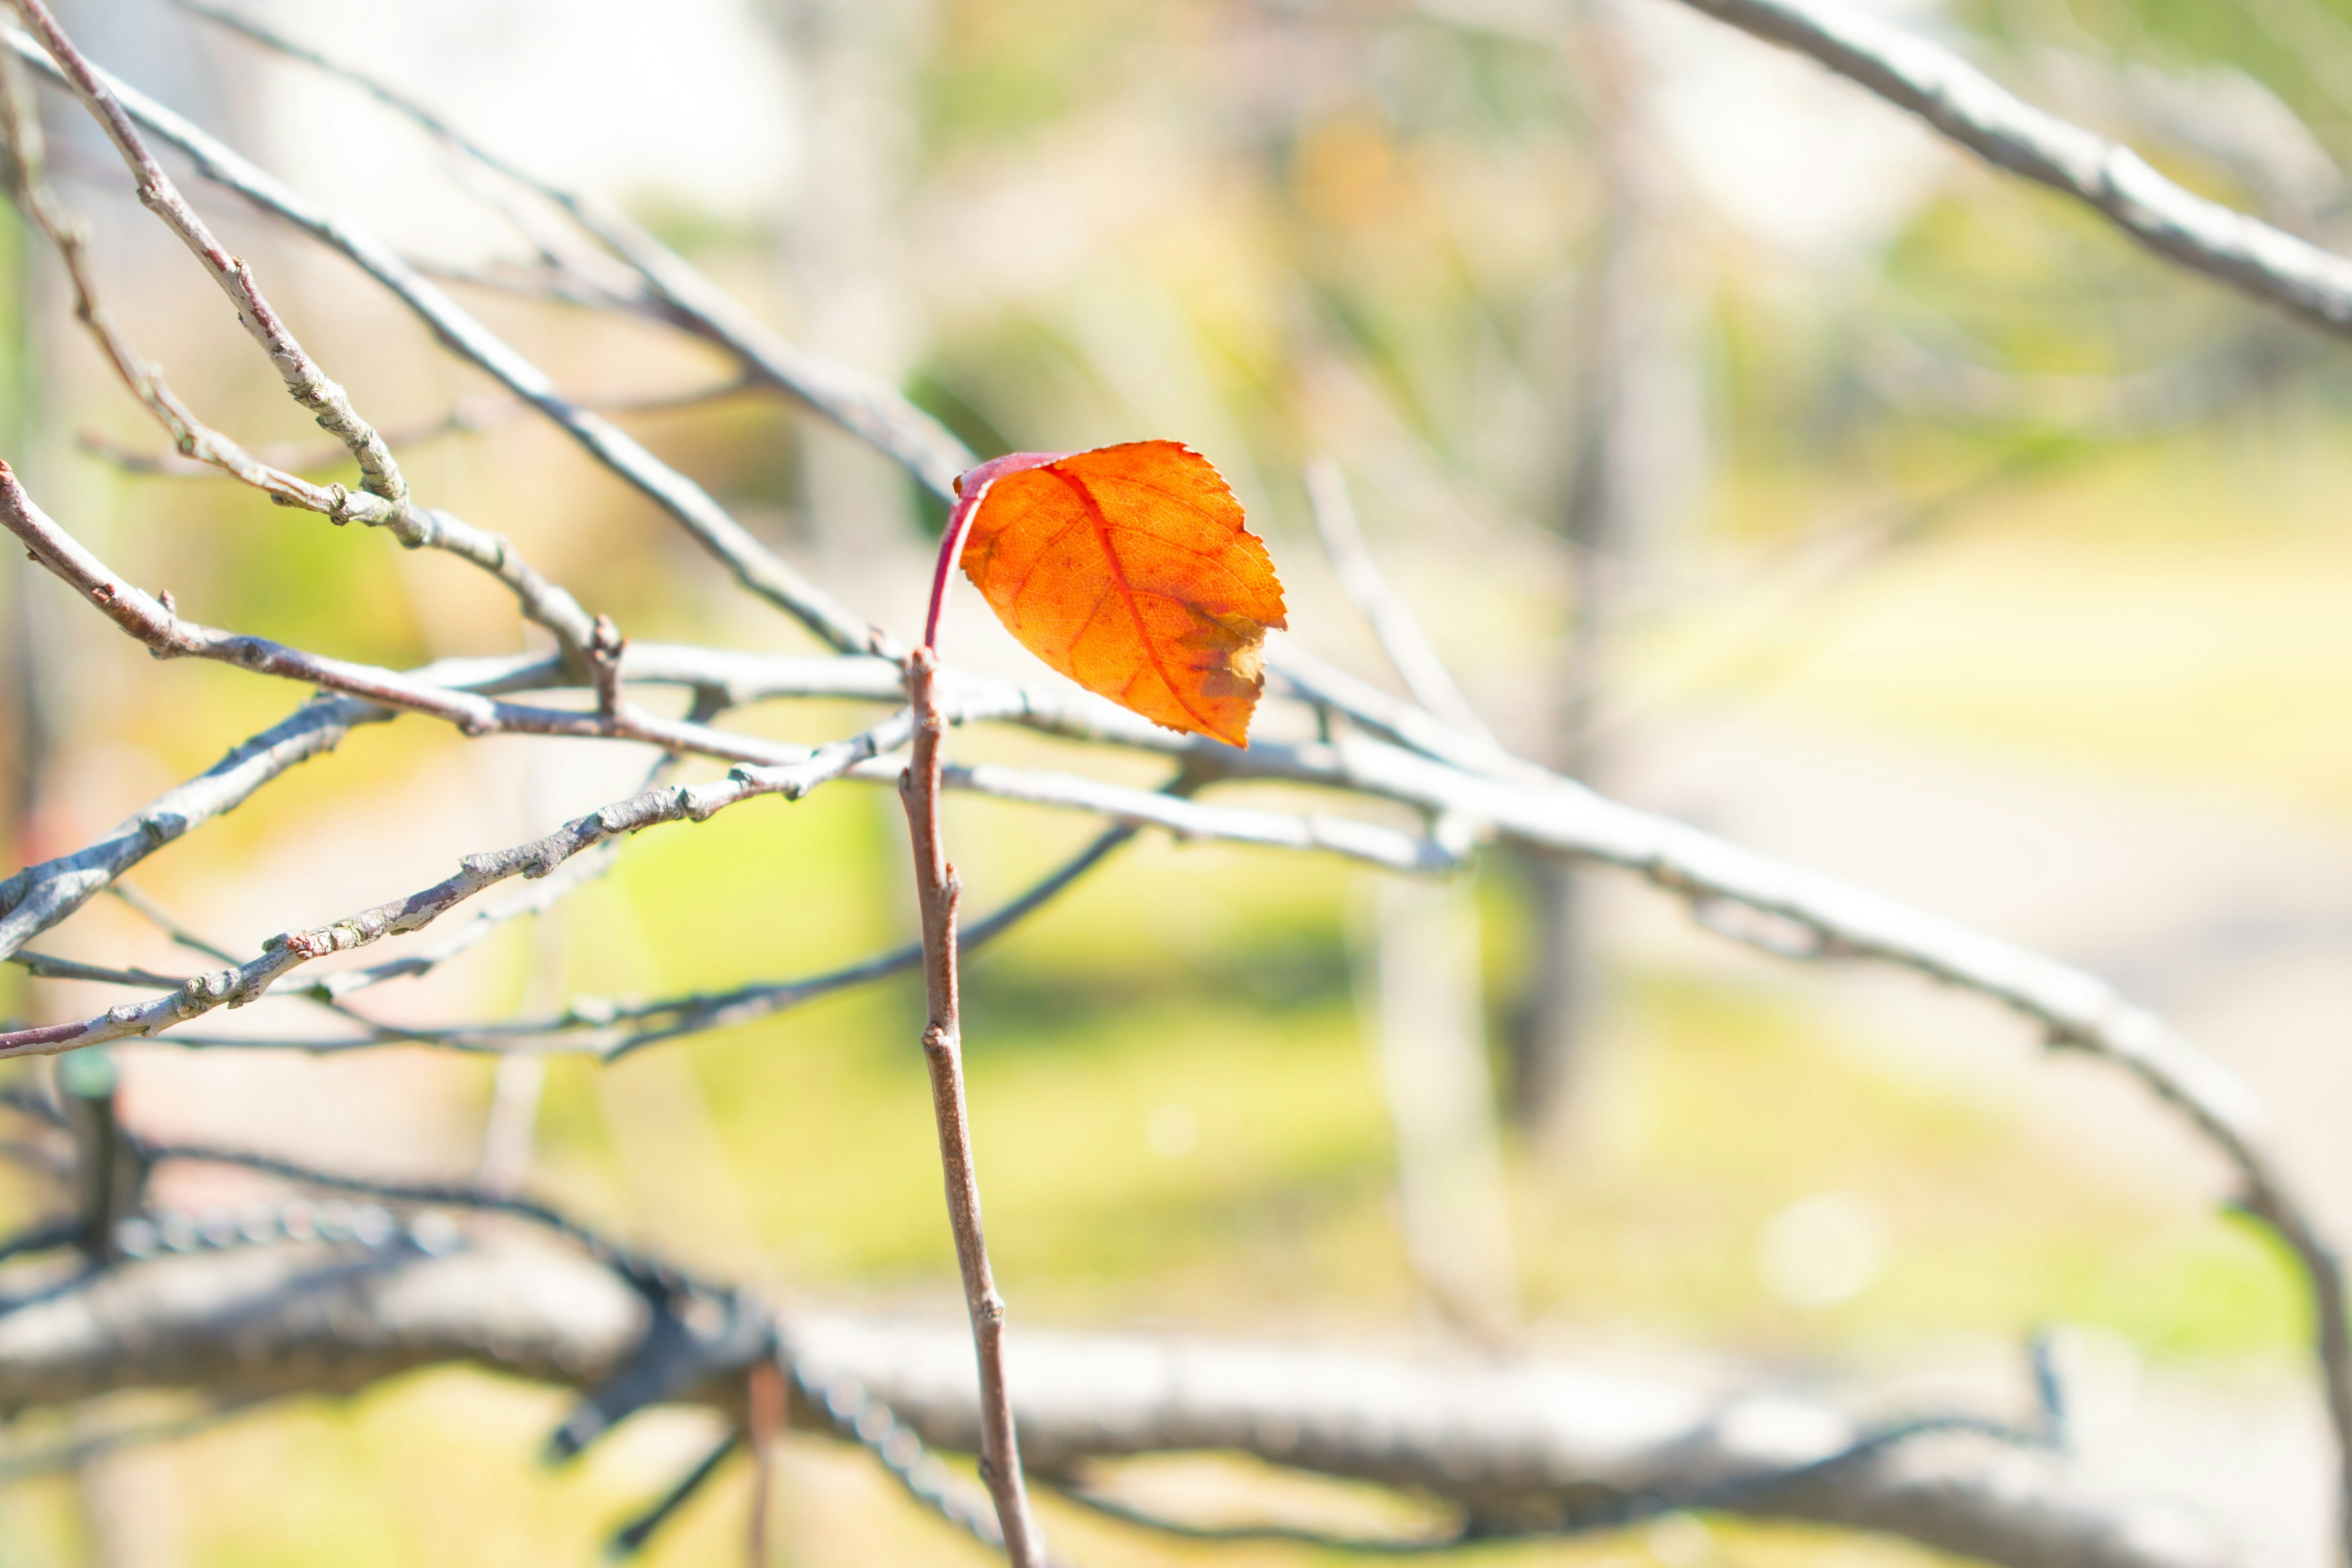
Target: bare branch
261	1321
939	894
869	410
1971	109
156	622
327	402
243	983
610	1030
207	449
753	564
38	897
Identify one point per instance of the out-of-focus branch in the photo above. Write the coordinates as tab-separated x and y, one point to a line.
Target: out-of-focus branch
1971	109
42	966
752	563
553	280
1513	1439
1408	654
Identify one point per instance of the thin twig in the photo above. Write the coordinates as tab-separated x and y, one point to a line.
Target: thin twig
611	1031
873	412
753	564
246	982
631	1538
1971	109
937	891
327	402
39	896
1409	653
156	622
208	450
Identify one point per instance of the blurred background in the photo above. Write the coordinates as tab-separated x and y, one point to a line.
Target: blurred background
1740	447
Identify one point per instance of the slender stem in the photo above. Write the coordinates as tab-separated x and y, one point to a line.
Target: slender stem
970	489
764	1407
939	891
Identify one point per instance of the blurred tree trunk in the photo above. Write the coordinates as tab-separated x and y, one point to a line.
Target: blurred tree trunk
851	64
1635	459
1424	1011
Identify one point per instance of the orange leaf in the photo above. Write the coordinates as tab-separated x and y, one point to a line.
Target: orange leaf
1130	570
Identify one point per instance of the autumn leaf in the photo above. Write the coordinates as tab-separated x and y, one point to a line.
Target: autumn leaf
1131	571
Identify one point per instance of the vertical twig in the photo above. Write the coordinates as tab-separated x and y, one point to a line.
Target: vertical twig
764	1425
939	892
1611	499
1400	635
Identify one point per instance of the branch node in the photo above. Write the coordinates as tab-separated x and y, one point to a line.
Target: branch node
605	646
